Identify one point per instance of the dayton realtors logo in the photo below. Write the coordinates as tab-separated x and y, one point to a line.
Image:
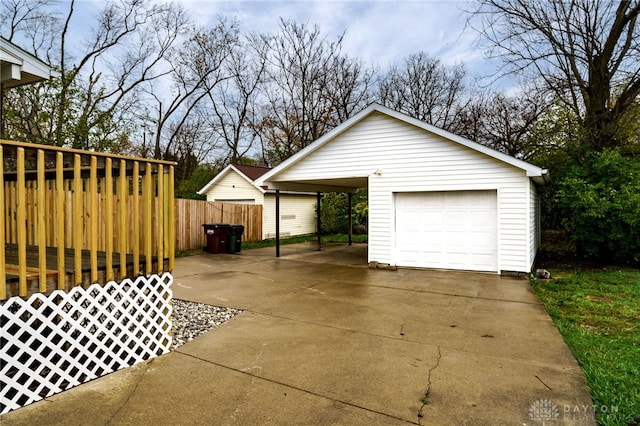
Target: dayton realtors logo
544	410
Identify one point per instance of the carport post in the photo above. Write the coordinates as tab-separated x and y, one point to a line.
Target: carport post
1	108
349	196
277	223
318	222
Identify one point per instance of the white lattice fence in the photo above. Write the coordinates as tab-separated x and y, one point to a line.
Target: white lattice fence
52	343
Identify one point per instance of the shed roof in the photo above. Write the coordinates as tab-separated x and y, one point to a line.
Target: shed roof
20	67
252	172
539	175
237	169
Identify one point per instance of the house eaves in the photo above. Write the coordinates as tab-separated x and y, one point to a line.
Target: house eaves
20	67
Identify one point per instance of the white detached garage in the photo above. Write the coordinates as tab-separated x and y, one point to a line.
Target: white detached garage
436	200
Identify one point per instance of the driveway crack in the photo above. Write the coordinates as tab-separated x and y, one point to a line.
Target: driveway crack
425	397
132	392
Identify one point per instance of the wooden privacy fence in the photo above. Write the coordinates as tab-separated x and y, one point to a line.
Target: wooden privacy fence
69	214
192	214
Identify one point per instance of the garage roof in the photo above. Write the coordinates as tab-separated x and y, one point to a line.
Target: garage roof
338	184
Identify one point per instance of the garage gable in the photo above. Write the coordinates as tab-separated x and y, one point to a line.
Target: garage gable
376	137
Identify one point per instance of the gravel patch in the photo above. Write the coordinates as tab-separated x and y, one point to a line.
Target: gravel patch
191	319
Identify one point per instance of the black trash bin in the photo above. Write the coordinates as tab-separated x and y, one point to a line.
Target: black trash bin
235	239
217	237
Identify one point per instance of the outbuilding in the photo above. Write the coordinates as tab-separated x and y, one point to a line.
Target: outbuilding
239	184
436	200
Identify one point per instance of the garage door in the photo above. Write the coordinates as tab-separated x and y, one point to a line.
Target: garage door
448	230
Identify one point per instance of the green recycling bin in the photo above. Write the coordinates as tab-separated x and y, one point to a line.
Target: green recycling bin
235	239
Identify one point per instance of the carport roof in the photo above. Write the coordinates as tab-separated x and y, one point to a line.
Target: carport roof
351	184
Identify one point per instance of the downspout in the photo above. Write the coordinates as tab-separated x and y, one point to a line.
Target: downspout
318	221
277	223
350	232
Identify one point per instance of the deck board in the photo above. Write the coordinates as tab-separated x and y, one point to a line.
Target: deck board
12	264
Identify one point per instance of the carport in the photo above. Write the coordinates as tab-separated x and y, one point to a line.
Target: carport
436	200
336	185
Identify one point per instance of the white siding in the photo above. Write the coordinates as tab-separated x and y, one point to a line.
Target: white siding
297	215
534	219
412	159
231	187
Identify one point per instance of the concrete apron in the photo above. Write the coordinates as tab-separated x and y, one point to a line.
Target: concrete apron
325	340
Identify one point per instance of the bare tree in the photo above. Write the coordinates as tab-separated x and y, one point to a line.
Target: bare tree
586	51
311	87
504	123
351	84
192	144
100	80
424	88
234	101
297	109
33	21
126	51
197	67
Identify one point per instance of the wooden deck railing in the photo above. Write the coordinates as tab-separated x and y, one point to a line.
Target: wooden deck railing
72	217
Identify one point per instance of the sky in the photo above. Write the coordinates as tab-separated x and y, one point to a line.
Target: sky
380	32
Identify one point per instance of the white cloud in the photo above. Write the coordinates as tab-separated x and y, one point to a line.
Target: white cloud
379	32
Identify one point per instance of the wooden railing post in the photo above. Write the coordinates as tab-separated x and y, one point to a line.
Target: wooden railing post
160	218
77	229
108	212
95	219
21	224
136	217
147	196
60	218
171	220
42	227
3	271
123	232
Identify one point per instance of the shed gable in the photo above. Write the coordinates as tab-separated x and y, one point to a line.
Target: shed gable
232	187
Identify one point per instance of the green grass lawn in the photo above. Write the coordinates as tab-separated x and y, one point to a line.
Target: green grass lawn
598	313
326	239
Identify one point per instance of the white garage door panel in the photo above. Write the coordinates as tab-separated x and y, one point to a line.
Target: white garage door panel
449	230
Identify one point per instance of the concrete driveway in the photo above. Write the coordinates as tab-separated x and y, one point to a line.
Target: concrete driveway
324	340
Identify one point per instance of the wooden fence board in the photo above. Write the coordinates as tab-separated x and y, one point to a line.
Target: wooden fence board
190	215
